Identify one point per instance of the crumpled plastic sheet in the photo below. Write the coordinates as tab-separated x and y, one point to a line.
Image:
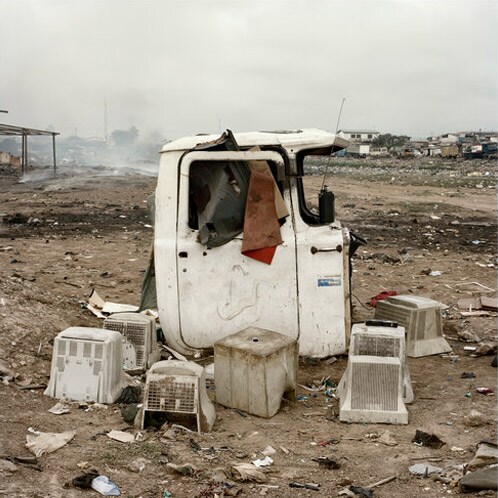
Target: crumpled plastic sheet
40	443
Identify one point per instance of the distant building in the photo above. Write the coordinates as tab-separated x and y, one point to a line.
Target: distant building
359	135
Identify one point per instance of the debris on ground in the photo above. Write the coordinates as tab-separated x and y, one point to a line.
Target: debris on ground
387	438
486	454
59	408
305	485
84	481
425	439
327	463
40	443
487	391
380	297
185	469
360	491
247	472
130	395
450	474
121	436
475	419
424	469
483	479
265	462
104	486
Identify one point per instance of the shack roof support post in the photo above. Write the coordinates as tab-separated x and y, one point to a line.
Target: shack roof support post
23	160
53	154
25	153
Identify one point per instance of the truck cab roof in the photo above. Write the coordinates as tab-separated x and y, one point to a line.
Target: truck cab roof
292	141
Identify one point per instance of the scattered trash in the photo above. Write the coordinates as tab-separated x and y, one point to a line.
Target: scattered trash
307	485
129	413
358	490
435	273
485	348
40	443
138	465
424	469
451	474
59	409
285	450
475	419
269	450
247	472
486	454
265	462
425	439
328	463
468	336
380	297
130	395
489	303
183	469
387	439
104	486
470	348
479	480
30	462
121	436
85	480
487	391
468	375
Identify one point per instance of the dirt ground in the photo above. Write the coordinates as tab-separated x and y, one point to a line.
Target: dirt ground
83	231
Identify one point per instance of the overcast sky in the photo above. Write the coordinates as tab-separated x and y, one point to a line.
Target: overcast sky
176	68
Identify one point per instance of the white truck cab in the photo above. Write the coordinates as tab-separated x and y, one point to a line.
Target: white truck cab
206	288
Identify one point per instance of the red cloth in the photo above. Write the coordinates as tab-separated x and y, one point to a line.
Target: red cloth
381	296
261	226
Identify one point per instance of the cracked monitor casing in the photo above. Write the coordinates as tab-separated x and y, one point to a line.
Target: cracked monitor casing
422	320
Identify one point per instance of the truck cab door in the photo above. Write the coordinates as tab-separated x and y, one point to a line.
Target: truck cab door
323	282
221	291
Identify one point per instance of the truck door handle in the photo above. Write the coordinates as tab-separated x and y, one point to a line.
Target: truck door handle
337	248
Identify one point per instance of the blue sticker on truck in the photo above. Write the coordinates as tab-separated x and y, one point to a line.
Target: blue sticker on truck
328	281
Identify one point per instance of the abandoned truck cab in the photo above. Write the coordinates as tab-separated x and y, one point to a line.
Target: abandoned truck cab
236	244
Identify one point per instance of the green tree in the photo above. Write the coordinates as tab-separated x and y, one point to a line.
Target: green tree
125	137
388	140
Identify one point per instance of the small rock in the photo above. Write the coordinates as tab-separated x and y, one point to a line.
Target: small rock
475	419
138	465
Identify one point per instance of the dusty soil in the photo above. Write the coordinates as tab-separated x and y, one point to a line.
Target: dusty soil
90	231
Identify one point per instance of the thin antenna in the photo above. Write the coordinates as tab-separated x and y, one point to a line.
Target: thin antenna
333	143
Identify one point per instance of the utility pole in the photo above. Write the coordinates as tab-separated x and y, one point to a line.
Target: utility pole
105	120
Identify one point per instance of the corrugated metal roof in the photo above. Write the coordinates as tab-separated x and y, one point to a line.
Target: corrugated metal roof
292	141
10	130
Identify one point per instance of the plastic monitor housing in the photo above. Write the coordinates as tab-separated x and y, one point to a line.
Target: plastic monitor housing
140	331
422	320
178	388
87	365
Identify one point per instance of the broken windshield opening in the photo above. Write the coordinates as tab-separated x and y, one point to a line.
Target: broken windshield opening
218	193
